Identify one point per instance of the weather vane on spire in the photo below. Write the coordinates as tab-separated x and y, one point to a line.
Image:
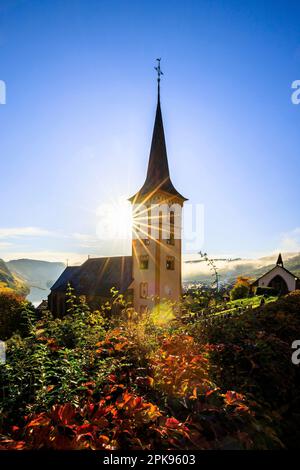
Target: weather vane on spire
159	73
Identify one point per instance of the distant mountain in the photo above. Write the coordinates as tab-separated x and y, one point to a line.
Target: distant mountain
11	280
39	275
197	270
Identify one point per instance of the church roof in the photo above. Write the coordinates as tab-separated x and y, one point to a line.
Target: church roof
158	175
64	278
96	276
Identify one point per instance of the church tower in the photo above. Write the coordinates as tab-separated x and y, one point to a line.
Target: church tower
156	238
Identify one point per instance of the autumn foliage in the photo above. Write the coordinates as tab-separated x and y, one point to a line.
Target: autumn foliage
82	382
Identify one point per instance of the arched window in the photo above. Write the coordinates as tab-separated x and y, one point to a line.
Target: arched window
171	240
143	290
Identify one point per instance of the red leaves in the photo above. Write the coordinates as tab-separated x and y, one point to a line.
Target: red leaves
122	417
172	423
102	425
63	414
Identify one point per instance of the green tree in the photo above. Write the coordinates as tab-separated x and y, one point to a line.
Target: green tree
16	314
241	288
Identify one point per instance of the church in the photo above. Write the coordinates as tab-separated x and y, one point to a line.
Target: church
278	279
151	276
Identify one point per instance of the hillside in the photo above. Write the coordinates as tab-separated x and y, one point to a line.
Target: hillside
208	383
197	270
39	275
11	280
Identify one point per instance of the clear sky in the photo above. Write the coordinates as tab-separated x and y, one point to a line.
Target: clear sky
80	101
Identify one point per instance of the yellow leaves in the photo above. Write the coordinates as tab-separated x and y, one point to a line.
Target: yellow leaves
151	380
40	331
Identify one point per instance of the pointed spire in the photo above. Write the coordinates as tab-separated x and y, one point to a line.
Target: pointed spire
158	175
159	73
279	260
158	167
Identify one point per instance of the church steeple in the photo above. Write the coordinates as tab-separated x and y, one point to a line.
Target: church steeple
279	260
157	223
158	175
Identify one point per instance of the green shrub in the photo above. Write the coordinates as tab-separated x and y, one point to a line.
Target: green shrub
16	314
267	291
239	291
252	352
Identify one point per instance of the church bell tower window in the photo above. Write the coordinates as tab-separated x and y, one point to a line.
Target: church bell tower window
144	262
170	263
143	290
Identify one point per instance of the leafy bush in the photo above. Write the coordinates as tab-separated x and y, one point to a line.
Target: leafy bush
239	291
241	288
252	353
16	314
170	404
86	382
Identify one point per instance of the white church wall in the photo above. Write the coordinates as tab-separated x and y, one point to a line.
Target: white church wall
278	270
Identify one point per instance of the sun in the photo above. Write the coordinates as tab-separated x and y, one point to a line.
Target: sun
114	219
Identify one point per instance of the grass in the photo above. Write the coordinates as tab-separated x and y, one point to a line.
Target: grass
254	302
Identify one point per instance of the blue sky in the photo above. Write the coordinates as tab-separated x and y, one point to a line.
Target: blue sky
81	94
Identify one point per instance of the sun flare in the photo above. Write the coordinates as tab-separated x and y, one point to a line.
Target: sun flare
114	220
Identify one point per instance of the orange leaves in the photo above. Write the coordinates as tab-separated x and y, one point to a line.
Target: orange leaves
180	369
194	396
231	397
243	280
39	420
64	414
113	342
151	411
50	342
236	400
10	444
120	346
